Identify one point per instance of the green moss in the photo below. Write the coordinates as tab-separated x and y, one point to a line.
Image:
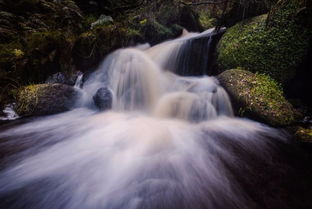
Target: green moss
92	46
143	22
275	49
27	98
9	51
258	96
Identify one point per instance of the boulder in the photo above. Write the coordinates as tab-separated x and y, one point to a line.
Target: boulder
257	96
45	99
103	98
304	134
274	46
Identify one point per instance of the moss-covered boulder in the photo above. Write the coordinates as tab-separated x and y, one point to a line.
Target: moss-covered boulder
257	96
92	46
304	134
273	46
43	99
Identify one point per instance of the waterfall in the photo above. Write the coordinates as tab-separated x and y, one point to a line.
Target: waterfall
169	142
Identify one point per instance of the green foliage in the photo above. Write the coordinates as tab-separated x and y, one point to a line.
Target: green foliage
92	46
267	90
206	21
87	21
276	49
47	53
154	31
103	20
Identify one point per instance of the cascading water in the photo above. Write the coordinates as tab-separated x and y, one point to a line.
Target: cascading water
78	82
169	142
9	112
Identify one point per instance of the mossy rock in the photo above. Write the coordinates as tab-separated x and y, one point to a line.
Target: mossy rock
47	53
257	96
44	99
276	50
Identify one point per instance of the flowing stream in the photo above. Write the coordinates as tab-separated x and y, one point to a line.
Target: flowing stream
169	142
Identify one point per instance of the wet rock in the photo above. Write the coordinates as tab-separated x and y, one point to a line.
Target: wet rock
275	49
103	98
258	96
44	99
103	20
61	78
56	78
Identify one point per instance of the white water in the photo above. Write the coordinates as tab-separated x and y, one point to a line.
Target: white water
78	82
169	142
9	112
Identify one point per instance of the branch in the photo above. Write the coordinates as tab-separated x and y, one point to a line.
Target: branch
203	2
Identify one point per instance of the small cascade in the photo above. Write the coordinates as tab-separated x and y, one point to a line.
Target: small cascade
79	81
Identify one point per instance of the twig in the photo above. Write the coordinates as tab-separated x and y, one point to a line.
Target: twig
203	2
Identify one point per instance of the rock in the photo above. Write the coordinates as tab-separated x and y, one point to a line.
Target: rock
91	47
44	99
276	49
257	96
61	78
103	98
154	32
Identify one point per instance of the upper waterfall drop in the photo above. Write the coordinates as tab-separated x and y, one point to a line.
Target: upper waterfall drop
189	54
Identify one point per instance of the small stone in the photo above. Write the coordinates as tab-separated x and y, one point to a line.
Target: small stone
103	98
